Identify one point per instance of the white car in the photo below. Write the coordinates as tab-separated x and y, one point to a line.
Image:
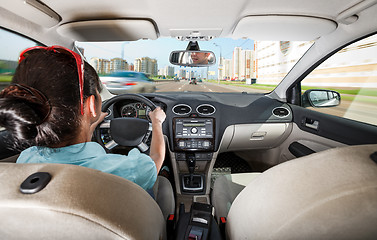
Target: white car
293	156
128	82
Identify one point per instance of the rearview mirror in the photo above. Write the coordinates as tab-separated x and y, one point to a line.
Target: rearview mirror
192	58
320	98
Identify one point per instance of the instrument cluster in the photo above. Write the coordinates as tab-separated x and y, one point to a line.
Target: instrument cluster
135	110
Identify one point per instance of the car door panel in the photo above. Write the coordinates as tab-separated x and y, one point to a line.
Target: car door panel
339	129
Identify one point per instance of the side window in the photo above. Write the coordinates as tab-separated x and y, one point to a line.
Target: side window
352	72
11	45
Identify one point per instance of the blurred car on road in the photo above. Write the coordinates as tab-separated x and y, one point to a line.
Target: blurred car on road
128	82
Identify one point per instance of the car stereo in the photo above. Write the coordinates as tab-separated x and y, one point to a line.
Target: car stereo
193	134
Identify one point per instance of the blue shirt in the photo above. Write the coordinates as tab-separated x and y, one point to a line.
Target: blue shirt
136	167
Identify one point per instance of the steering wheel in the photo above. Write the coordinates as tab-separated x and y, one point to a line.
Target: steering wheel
128	132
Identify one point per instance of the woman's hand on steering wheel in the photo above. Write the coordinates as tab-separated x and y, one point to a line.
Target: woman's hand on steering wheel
157	116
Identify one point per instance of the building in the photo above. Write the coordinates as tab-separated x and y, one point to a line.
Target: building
102	66
169	70
227	69
166	71
146	65
118	64
182	73
137	65
246	66
275	58
236	63
240	67
354	66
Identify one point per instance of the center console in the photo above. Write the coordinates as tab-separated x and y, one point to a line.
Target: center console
193	134
194	141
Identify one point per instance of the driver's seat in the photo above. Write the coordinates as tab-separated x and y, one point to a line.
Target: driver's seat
77	203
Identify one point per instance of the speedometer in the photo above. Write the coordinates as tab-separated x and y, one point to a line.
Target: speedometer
129	111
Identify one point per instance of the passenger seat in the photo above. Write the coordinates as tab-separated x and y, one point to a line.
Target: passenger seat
327	195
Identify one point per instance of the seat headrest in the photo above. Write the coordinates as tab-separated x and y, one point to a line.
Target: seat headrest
77	203
327	195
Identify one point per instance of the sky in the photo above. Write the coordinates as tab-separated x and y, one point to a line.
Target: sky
160	49
11	44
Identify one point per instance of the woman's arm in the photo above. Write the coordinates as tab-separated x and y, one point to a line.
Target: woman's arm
157	152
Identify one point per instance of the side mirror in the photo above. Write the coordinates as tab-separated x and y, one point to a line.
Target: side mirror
320	98
192	58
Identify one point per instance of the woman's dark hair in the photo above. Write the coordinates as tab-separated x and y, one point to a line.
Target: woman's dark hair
54	75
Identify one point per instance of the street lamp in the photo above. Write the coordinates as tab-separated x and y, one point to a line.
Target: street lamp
122	47
220	63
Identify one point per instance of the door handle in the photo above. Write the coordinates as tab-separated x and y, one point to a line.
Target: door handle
310	123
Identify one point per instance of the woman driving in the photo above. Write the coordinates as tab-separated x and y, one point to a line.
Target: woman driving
51	110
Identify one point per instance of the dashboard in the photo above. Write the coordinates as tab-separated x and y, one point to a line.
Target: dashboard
198	122
199	126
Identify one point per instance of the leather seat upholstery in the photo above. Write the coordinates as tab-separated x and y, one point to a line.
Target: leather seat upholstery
327	195
78	203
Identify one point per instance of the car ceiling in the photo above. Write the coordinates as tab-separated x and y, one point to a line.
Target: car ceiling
172	14
221	16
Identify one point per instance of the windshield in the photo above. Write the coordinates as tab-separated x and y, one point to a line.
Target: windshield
242	65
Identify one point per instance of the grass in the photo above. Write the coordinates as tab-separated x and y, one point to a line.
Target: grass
5	78
347	91
347	94
242	84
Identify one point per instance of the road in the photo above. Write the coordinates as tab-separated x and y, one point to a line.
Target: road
201	87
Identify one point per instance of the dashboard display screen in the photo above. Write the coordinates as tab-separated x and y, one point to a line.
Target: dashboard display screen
141	112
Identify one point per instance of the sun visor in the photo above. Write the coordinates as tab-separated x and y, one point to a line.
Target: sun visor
283	28
109	30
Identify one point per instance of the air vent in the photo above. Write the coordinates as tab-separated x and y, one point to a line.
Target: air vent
206	109
280	112
181	109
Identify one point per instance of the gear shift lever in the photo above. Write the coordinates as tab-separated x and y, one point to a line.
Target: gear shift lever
192	182
191	165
